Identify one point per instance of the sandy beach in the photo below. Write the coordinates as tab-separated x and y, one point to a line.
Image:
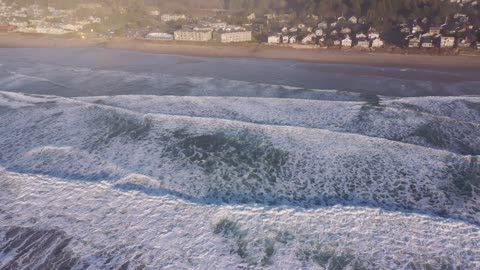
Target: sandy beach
321	55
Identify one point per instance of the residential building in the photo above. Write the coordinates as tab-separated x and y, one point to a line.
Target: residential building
416	29
293	40
285	39
159	36
373	35
414	43
346	30
323	25
251	17
275	39
232	36
464	43
192	35
447	42
319	32
309	39
360	36
347	42
363	43
173	17
353	20
426	41
377	43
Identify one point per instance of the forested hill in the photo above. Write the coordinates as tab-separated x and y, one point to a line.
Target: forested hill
374	10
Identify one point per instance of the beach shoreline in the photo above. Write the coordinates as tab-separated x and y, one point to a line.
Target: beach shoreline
444	60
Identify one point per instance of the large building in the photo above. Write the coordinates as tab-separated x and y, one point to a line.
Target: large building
173	17
192	35
232	36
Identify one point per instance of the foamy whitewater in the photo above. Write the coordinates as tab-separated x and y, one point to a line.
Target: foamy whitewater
120	160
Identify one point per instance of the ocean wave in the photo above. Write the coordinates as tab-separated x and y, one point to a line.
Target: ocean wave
225	161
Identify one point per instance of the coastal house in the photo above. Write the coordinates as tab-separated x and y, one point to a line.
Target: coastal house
172	17
275	39
464	43
285	39
360	36
346	30
416	29
292	40
309	39
216	24
447	42
192	35
426	41
414	43
323	25
154	13
337	42
377	43
319	32
232	36
347	42
373	34
159	36
363	43
353	20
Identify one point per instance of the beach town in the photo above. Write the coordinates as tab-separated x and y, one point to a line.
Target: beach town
460	31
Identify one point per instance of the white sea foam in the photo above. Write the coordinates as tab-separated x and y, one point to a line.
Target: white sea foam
199	182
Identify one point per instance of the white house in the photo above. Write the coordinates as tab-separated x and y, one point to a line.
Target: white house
319	32
447	42
363	43
347	42
293	40
173	17
361	36
346	30
323	25
309	39
377	43
285	39
416	29
275	39
353	20
373	35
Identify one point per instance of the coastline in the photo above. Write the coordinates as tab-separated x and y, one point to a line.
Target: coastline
384	58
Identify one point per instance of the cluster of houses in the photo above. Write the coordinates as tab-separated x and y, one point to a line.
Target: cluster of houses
34	19
453	33
340	32
275	29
